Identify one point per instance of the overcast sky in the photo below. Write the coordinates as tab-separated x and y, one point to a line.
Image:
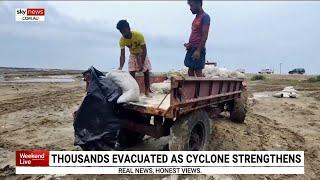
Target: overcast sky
248	35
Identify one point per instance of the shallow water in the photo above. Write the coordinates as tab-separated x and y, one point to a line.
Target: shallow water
40	79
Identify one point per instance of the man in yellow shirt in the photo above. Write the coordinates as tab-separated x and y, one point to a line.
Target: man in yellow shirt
138	59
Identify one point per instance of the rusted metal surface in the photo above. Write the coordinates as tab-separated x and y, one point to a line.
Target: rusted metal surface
186	109
187	94
191	93
145	109
157	130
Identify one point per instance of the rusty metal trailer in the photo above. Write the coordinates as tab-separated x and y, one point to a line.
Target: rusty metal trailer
194	101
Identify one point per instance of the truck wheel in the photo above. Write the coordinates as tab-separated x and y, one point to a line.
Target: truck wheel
190	132
238	109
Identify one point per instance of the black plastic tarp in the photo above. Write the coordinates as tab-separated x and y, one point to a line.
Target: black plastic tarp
96	126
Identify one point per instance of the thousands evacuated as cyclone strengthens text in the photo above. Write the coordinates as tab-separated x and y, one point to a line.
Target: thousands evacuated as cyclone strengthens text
178	158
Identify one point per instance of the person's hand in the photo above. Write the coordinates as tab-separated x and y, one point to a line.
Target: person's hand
196	55
187	45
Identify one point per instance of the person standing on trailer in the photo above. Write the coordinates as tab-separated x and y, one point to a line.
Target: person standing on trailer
138	59
196	51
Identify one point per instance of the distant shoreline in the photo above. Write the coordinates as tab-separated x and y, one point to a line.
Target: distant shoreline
75	71
39	69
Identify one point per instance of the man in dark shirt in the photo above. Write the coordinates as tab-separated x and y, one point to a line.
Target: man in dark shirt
196	51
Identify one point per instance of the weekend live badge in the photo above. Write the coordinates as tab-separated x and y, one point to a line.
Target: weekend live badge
32	158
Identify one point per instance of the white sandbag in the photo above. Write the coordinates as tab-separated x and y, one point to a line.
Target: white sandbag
289	89
129	86
215	72
162	87
278	95
293	95
236	74
210	71
287	92
179	73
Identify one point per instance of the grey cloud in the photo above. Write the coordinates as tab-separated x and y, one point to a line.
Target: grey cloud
250	35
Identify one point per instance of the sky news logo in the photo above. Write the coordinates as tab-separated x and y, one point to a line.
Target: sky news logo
30	14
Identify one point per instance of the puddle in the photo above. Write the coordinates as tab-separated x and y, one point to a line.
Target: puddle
40	79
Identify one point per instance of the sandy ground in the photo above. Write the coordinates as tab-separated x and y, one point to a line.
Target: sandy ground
39	116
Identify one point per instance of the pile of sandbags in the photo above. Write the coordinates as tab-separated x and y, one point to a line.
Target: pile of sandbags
162	87
210	71
177	73
287	92
129	86
215	72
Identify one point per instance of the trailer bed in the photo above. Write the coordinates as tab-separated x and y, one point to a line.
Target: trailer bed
157	100
188	94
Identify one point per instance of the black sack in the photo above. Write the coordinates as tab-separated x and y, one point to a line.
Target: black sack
96	126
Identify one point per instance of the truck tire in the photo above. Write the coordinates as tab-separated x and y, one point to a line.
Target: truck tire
191	132
238	109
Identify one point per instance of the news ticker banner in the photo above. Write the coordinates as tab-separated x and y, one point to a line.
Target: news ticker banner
159	162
